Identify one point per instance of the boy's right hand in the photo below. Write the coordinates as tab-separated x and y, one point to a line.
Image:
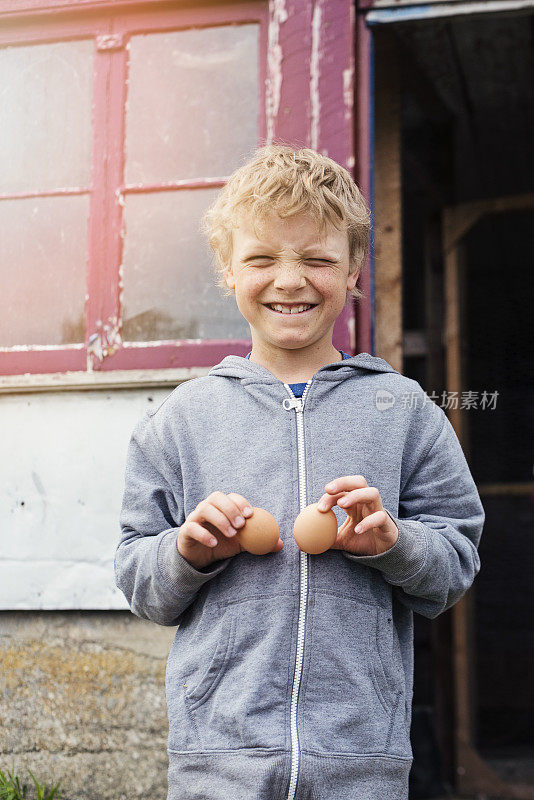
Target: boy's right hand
209	532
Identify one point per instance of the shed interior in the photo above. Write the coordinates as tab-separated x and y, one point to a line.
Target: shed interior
466	122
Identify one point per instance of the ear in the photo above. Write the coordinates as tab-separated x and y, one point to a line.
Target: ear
351	279
229	278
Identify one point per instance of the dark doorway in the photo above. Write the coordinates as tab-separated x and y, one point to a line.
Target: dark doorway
467	123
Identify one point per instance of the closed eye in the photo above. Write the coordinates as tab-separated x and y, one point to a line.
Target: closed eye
257	260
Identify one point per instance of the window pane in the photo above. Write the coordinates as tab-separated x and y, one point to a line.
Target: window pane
169	282
192	104
42	270
45	116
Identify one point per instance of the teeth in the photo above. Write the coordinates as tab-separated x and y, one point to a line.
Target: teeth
293	310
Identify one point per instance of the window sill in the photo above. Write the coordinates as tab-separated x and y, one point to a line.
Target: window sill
117	379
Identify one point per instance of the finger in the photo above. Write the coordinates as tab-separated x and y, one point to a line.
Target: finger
369	495
376	520
327	502
207	512
345	484
243	505
230	508
236	507
195	532
278	546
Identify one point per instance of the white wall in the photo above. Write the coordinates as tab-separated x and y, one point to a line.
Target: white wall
62	459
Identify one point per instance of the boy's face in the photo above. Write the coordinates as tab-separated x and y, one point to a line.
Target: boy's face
291	262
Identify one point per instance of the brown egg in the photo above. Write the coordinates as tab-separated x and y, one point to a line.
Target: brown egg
315	531
260	532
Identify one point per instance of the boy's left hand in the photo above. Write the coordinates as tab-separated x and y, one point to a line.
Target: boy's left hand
376	532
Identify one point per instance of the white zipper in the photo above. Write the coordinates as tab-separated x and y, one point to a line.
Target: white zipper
298	404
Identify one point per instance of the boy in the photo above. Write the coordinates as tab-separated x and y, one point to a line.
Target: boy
290	675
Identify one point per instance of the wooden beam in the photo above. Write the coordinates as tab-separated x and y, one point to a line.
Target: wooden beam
363	105
521	489
433	283
388	202
458	220
453	336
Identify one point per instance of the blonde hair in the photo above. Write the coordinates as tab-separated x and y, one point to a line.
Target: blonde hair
288	181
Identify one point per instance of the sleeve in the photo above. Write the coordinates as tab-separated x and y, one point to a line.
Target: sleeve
440	518
158	583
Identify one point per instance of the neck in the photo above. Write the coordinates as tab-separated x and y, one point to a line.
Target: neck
294	366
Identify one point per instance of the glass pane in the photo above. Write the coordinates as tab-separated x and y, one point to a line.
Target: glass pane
192	104
46	95
42	270
169	282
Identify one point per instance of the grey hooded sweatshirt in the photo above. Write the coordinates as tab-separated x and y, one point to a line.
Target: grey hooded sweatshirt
291	675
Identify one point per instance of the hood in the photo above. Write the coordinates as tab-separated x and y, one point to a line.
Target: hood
242	368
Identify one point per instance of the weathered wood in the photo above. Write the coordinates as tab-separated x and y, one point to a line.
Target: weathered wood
521	489
453	333
434	355
388	203
363	330
476	778
458	220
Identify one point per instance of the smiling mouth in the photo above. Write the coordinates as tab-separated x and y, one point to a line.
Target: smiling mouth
292	310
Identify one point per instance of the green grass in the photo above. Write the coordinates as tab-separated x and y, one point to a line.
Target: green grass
11	788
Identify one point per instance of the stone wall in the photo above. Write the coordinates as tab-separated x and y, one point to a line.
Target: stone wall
83	702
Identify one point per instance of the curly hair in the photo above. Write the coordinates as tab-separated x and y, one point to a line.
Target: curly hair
288	181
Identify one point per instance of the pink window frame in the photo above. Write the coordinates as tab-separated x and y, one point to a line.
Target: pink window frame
305	99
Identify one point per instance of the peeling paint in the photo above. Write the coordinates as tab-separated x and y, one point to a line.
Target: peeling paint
352	334
160	342
66	192
187	183
104	342
348	90
30	348
109	41
348	80
277	16
314	76
121	280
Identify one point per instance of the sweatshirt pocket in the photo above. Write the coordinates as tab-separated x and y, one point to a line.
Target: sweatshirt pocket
353	679
239	699
200	687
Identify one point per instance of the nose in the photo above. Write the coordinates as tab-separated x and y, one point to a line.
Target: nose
289	276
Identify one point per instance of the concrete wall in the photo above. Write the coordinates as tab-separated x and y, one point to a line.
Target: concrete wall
83	701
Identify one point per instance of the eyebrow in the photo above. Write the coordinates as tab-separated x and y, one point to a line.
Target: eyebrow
311	252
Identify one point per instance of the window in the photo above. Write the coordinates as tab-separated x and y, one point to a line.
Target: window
116	132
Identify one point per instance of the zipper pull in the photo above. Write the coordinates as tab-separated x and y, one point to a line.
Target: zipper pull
294	402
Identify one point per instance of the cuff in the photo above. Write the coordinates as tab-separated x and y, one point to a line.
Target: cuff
402	561
178	574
